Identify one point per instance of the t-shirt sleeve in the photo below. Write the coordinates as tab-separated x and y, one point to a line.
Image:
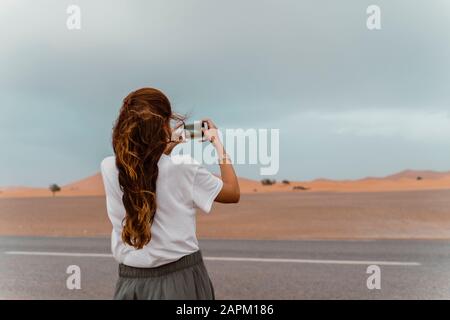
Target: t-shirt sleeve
206	188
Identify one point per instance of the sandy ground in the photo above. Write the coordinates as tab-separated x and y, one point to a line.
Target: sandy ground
403	181
278	215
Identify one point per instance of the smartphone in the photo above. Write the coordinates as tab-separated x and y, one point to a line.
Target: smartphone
194	130
190	131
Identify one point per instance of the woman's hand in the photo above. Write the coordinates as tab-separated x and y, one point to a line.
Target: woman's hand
211	134
176	138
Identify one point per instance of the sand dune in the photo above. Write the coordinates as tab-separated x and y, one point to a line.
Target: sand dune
403	181
92	185
413	174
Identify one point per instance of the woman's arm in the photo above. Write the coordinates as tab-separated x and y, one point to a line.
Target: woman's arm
230	192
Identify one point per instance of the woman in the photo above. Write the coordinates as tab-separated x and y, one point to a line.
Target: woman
151	201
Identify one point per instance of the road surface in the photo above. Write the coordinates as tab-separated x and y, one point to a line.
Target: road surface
35	268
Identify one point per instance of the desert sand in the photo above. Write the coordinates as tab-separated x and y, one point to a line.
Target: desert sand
278	215
392	207
403	181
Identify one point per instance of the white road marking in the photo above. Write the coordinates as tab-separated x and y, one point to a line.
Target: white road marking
59	254
241	259
354	262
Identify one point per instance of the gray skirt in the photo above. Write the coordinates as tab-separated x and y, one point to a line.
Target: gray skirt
184	279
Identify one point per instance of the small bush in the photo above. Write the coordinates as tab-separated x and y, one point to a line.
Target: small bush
286	182
300	188
54	188
268	182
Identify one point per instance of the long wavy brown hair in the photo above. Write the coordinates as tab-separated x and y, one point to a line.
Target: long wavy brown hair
141	135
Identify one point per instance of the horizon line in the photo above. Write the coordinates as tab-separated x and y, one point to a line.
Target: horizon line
256	180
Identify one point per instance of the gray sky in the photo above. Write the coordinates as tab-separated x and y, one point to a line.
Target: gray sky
349	102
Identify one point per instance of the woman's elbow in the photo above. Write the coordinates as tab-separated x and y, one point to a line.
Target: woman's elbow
229	194
233	197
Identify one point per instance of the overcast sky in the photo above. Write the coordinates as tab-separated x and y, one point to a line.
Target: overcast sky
349	102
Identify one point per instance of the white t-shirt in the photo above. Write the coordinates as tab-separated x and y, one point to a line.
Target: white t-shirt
182	185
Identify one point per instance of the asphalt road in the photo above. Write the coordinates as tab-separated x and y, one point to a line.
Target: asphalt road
35	268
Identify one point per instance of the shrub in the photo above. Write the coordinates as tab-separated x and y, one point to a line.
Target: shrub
300	188
268	182
54	188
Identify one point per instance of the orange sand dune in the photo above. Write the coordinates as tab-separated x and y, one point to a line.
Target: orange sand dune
404	181
413	174
90	186
367	185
